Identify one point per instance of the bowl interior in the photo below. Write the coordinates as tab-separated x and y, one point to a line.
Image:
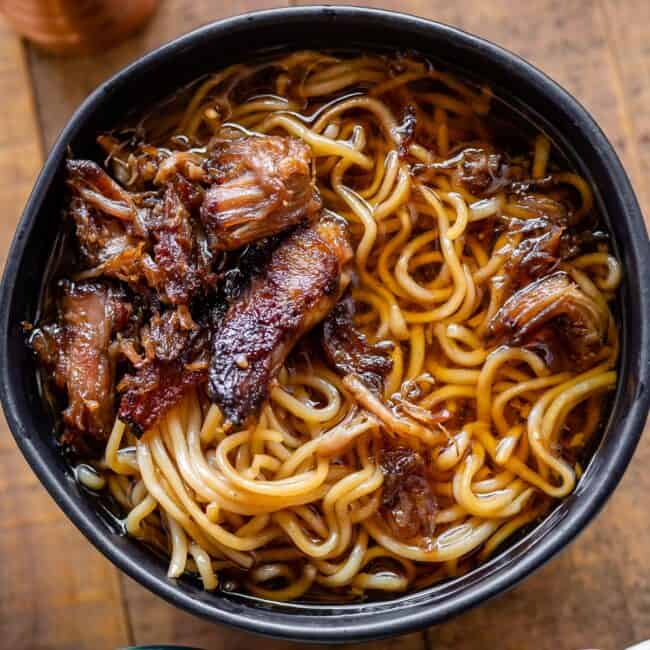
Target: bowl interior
209	49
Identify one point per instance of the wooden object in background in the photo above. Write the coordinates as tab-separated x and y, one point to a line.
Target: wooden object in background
596	594
76	26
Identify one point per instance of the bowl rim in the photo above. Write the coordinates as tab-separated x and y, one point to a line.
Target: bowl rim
366	627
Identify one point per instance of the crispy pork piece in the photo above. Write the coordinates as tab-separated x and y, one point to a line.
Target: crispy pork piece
154	389
349	351
176	350
296	290
264	185
77	350
554	301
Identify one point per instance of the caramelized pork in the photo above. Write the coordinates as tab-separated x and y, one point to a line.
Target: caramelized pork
349	351
179	266
149	239
557	301
482	171
296	290
264	186
166	336
155	239
409	503
176	359
163	235
154	390
539	251
77	351
103	215
99	190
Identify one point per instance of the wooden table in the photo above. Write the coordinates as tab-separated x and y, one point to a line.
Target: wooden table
57	592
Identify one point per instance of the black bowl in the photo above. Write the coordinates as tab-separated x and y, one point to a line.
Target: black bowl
528	91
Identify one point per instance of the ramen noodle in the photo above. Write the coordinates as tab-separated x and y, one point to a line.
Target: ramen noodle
441	336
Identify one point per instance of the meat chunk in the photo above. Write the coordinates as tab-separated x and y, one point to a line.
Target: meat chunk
349	351
103	214
177	360
482	171
166	237
409	503
180	265
264	186
295	291
99	190
154	390
555	301
539	251
150	239
166	336
77	350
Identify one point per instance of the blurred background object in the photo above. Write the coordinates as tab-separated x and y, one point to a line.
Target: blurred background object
76	26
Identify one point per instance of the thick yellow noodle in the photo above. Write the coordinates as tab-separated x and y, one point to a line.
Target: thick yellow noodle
295	497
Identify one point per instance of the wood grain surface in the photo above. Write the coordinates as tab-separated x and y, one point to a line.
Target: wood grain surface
56	591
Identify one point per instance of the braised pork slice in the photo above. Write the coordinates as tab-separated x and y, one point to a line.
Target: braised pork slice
556	302
263	186
175	358
296	290
349	351
179	266
77	351
154	389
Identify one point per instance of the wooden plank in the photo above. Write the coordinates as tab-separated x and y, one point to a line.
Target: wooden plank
627	27
627	30
55	589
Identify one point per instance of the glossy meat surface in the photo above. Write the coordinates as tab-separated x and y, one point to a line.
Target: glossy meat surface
409	504
557	302
175	358
157	240
155	389
348	350
77	350
296	290
179	265
263	186
104	214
